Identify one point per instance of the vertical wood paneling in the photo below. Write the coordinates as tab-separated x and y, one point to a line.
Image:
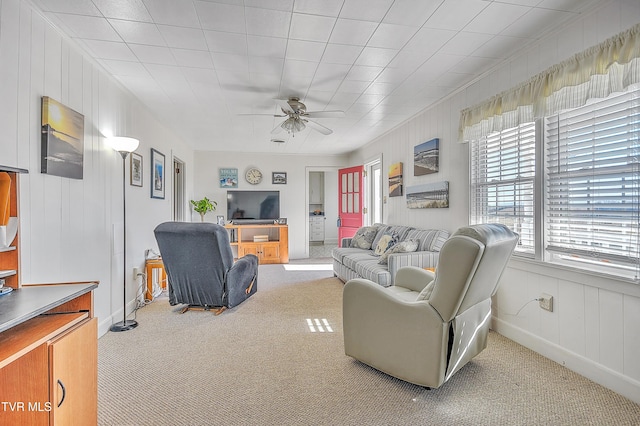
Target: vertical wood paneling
9	44
571	316
24	86
631	318
611	330
592	323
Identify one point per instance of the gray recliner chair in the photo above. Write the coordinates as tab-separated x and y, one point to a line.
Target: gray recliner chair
200	268
428	325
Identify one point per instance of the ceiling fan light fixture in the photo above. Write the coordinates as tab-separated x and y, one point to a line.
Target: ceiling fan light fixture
293	125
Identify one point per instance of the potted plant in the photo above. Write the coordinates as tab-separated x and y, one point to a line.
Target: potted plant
204	206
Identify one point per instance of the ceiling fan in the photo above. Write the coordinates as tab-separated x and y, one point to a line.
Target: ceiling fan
298	117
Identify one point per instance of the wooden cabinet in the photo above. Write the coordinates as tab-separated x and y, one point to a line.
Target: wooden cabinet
316	228
49	356
269	242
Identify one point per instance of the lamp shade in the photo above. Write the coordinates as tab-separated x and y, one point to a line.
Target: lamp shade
123	143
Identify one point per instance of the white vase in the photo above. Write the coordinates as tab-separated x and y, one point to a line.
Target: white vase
8	233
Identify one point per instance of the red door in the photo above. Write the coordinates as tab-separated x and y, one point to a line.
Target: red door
349	201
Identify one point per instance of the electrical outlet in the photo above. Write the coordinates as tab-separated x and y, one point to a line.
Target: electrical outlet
135	273
546	302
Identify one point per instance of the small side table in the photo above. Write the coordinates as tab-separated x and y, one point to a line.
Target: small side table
155	275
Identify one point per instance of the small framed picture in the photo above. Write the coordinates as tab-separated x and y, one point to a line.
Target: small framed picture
157	174
282	221
279	178
136	169
221	220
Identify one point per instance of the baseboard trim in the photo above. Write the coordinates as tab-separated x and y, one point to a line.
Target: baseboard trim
625	386
104	324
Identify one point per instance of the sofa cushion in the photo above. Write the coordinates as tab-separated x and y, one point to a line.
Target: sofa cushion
338	253
363	237
352	259
406	246
430	239
385	243
372	270
398	231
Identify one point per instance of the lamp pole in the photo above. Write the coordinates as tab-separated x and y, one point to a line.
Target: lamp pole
124	146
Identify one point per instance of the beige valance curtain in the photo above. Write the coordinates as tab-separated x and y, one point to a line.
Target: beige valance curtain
609	67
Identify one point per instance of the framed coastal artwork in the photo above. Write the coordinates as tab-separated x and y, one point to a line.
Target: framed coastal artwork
426	157
157	174
228	177
62	140
279	178
395	180
428	196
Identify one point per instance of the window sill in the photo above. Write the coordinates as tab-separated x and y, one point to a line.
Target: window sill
597	279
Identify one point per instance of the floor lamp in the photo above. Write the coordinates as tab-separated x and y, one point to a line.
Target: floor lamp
124	146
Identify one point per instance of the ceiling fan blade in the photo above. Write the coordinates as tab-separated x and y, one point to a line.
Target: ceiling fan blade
277	129
319	127
324	114
265	115
285	106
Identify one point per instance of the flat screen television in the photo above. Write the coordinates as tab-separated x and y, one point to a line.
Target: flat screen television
253	206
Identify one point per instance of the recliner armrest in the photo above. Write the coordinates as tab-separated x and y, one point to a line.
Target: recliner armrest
413	278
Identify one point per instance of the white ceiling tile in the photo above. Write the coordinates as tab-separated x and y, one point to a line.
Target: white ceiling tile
224	42
77	7
173	12
474	64
534	22
353	86
391	36
265	81
331	72
366	10
234	79
299	68
165	72
411	12
267	46
305	50
500	47
341	54
230	62
393	75
89	27
315	7
429	39
185	38
311	27
133	10
285	5
495	18
439	63
409	60
272	23
363	73
375	56
138	32
265	64
349	31
455	14
110	50
125	68
153	54
192	58
465	43
201	77
221	17
380	88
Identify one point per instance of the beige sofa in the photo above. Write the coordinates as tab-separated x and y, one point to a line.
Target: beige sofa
356	257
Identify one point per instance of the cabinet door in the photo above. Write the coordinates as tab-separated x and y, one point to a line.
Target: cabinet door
270	253
247	248
73	359
24	388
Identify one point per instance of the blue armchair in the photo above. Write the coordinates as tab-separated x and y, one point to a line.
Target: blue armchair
200	267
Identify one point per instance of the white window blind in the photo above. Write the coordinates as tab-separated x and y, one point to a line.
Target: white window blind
502	182
592	182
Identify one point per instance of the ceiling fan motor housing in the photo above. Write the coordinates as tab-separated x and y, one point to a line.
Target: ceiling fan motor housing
297	106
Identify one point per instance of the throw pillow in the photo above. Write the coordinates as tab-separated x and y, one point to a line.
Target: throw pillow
386	242
364	237
406	246
425	294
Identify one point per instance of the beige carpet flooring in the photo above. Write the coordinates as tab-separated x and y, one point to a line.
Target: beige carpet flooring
259	364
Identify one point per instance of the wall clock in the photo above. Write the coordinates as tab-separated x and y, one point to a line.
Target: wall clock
253	176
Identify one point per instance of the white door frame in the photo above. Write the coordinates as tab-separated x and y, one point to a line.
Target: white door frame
368	187
178	194
332	192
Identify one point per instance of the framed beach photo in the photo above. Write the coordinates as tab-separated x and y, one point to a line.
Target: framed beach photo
136	169
157	174
62	140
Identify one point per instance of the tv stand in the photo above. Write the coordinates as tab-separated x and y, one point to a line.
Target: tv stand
269	242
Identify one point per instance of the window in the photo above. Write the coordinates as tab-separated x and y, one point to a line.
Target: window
502	182
592	182
589	185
